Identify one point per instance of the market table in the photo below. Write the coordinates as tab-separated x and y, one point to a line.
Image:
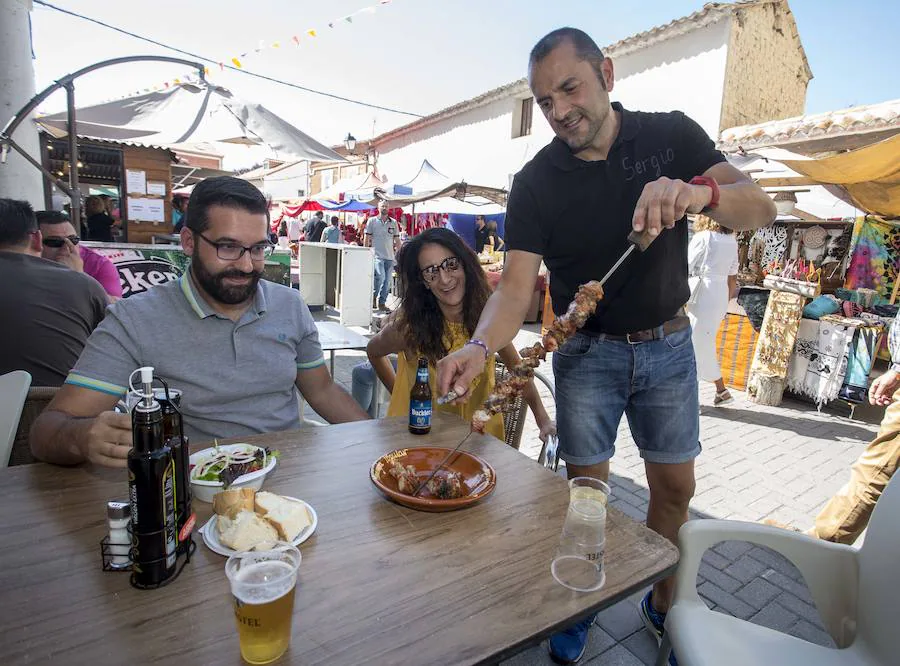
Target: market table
333	336
378	583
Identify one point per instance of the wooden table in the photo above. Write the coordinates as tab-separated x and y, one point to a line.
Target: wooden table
378	583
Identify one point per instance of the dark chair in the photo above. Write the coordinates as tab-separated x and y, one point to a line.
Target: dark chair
37	400
514	417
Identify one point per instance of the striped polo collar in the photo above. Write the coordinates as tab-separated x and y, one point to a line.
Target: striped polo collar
199	305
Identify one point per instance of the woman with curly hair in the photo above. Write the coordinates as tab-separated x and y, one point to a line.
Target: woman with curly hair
443	291
713	263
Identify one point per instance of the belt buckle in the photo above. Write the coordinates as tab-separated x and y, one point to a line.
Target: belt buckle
633	342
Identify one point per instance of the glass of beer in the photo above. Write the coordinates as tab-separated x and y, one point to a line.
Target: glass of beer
262	588
578	564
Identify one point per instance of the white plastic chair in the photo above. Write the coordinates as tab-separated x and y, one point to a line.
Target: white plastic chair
855	590
13	390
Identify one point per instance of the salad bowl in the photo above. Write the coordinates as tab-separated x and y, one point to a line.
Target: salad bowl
206	465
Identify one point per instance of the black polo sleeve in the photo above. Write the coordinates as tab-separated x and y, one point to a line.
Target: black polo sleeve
523	220
698	152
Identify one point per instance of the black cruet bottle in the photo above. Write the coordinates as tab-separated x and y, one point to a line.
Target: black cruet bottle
151	486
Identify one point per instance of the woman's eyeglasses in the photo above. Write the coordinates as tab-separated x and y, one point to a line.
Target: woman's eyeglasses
450	264
59	241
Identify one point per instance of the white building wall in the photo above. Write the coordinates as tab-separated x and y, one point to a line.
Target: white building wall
287	183
686	72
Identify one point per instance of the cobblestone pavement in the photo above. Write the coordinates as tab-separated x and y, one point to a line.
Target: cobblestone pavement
757	462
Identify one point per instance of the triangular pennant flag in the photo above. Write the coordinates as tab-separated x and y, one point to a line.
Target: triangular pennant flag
296	40
177	81
276	45
166	84
222	66
206	70
237	63
348	19
311	33
331	25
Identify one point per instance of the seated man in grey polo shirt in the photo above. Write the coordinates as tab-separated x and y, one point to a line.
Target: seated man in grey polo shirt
237	346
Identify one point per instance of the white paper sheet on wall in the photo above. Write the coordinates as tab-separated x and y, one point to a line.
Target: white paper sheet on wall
135	181
156	188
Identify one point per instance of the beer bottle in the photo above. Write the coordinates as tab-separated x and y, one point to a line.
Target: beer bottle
420	401
151	486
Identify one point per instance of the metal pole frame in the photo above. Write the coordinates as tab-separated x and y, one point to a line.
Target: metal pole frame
68	83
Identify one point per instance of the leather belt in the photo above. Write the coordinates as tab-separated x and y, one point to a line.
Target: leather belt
677	323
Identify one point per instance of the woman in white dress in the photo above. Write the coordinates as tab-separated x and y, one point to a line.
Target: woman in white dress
713	263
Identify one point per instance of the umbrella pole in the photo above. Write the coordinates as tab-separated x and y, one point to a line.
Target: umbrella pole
74	194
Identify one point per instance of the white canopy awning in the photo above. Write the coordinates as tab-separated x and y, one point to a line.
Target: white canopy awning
190	112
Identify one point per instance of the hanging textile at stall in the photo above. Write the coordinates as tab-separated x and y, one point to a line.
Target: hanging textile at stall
875	255
773	241
861	356
822	355
735	344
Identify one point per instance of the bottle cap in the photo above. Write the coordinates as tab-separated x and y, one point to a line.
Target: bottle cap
118	510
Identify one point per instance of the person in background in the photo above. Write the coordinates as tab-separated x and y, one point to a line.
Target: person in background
99	223
294	227
318	229
383	234
481	234
179	205
110	207
310	226
49	311
493	237
252	344
62	245
713	263
443	291
333	233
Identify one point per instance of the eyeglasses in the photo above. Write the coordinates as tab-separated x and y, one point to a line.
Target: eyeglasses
228	251
59	241
450	264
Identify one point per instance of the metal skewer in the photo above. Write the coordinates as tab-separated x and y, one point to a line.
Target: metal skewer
443	462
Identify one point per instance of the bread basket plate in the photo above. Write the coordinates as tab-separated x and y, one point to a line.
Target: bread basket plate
211	534
478	477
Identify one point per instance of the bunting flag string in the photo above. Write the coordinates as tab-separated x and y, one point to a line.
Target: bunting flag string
238	61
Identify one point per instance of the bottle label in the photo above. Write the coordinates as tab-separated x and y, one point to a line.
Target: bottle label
169	513
420	413
422	375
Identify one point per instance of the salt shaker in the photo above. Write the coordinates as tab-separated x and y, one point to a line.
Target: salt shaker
119	516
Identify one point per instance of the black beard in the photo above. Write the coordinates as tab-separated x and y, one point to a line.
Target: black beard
213	284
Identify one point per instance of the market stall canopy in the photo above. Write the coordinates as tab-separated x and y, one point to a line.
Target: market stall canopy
767	167
190	112
361	186
451	206
461	191
351	206
427	179
871	175
186	176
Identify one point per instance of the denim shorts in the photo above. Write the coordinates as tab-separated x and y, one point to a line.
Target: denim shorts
653	383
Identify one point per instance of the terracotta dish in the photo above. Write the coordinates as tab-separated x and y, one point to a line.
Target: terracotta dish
478	477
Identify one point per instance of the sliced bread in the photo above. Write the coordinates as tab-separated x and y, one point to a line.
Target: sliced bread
232	501
288	516
246	531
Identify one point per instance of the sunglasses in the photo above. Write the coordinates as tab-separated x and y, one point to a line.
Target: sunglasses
450	265
59	241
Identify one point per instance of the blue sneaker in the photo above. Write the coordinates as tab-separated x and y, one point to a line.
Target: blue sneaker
567	646
655	623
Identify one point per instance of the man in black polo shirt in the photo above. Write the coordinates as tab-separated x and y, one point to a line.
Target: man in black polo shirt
481	234
610	171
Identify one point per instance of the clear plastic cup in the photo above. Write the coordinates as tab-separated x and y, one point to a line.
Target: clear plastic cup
262	588
578	563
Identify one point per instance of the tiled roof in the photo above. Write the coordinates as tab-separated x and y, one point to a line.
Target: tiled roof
855	120
711	13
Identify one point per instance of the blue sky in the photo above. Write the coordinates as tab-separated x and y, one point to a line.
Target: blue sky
418	55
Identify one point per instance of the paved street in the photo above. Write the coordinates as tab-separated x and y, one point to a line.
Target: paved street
757	462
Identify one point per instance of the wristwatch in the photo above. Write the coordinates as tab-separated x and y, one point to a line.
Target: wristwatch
711	184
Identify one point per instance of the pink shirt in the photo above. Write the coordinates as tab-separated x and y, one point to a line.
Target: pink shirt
102	270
